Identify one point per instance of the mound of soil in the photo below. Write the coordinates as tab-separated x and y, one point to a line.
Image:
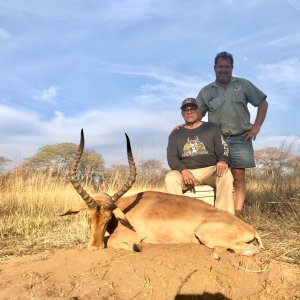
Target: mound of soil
179	271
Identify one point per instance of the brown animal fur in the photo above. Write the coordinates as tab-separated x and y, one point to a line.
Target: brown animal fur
155	217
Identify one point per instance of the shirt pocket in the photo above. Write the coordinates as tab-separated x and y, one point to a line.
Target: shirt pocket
239	96
215	103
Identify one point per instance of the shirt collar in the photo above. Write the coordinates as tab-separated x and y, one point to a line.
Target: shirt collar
232	80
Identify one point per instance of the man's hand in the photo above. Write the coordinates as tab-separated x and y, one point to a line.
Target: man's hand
221	168
178	127
260	117
251	134
188	178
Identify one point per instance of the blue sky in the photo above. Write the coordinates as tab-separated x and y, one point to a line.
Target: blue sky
125	66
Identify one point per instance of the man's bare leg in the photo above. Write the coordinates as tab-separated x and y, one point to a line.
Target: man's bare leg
239	185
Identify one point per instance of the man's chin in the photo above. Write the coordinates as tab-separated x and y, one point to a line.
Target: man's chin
191	123
224	79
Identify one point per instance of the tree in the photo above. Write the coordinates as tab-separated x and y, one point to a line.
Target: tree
295	164
280	161
152	171
57	159
3	163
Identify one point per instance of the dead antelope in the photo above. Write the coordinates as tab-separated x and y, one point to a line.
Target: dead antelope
155	217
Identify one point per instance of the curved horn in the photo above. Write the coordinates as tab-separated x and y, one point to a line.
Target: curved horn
90	202
132	173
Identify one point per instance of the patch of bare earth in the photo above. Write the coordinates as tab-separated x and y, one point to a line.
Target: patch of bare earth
180	271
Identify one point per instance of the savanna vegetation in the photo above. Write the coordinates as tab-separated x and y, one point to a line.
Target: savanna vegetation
34	195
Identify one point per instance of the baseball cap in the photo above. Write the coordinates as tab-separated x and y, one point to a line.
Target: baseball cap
189	102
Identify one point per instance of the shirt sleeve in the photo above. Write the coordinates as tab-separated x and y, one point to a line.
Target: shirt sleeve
253	94
201	104
173	154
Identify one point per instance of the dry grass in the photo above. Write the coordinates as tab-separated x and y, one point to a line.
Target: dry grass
30	211
273	207
29	215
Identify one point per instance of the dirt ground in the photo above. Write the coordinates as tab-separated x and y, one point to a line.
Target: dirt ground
178	271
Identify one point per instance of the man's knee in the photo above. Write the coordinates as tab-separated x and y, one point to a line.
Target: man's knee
227	177
239	175
174	182
173	176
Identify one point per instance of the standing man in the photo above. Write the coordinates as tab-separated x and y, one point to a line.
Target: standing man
226	101
196	156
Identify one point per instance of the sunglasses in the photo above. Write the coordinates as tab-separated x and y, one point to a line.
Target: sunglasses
190	109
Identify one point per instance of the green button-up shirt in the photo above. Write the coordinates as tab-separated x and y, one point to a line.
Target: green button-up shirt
227	107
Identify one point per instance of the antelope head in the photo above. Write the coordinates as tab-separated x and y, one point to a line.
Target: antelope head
101	207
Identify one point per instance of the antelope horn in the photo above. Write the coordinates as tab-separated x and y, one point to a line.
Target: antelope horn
90	202
132	173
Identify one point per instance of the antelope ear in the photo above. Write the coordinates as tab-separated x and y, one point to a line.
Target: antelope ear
122	218
75	210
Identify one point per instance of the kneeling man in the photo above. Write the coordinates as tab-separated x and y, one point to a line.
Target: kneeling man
197	156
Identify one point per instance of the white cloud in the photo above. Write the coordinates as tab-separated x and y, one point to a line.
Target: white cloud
112	12
47	95
167	76
104	132
4	34
147	99
286	41
267	39
287	142
17	121
286	72
27	131
152	67
162	86
295	3
246	5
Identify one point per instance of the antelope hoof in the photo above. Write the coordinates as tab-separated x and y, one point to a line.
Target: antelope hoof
93	248
215	255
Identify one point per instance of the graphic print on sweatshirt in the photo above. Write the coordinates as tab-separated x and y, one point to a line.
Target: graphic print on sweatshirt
193	147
